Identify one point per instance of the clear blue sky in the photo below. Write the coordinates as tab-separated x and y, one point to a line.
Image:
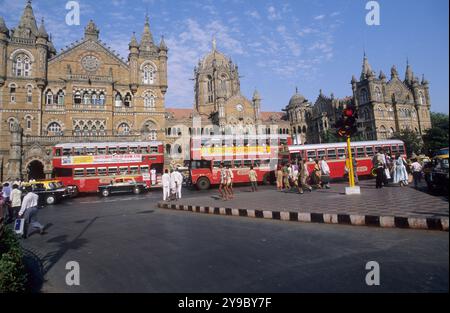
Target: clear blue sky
277	44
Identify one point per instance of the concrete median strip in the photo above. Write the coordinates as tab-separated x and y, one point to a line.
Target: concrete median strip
343	219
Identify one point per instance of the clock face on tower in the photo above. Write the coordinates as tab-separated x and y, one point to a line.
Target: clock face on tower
240	107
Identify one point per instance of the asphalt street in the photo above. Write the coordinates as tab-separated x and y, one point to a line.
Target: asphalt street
126	244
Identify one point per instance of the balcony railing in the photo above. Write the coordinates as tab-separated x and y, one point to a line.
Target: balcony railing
89	107
52	140
55	107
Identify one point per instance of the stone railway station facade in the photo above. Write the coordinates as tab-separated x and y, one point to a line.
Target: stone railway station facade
88	93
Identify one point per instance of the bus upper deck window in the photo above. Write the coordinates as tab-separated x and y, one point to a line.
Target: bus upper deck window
341	153
143	150
133	149
320	153
90	151
144	169
112	150
311	154
360	152
101	150
58	152
112	170
78	151
67	152
78	172
123	150
369	151
154	149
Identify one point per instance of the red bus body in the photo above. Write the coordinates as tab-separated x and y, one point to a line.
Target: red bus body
87	165
336	154
263	152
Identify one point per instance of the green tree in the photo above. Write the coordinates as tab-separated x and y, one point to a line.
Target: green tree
437	136
412	141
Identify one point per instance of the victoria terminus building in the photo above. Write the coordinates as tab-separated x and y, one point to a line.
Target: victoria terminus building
88	93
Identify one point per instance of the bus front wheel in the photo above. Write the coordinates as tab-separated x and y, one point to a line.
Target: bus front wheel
203	183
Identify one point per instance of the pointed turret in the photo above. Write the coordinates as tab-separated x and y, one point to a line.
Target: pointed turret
91	31
51	47
409	76
162	44
354	79
424	80
394	73
133	42
382	76
27	25
3	28
256	95
147	38
42	32
366	68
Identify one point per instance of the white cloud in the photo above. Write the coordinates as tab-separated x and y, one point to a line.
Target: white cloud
319	17
273	14
254	14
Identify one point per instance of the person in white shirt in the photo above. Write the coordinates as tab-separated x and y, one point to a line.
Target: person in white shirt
173	185
166	185
28	212
153	176
16	201
325	177
179	183
416	170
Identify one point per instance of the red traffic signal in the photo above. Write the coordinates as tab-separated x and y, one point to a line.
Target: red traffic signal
346	126
348	112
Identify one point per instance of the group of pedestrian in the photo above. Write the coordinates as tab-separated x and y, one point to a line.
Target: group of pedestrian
172	182
396	169
15	206
296	175
226	182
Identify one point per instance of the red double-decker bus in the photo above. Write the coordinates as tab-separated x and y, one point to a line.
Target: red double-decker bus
263	152
336	154
83	166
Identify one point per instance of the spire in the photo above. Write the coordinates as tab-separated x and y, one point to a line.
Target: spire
133	42
147	38
366	68
354	79
3	28
394	73
91	31
409	76
424	80
256	95
162	44
42	32
27	24
51	47
214	43
382	76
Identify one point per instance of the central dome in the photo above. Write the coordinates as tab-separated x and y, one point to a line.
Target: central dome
297	99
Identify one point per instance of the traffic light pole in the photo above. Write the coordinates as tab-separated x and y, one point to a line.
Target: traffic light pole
351	175
352	189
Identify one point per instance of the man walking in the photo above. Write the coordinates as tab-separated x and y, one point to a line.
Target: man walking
325	177
416	170
303	177
379	165
178	182
6	201
153	176
16	202
29	211
166	184
253	179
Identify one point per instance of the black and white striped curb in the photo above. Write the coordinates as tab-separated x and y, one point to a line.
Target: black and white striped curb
344	219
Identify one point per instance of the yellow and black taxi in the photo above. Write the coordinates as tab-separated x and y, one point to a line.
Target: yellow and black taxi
49	191
122	185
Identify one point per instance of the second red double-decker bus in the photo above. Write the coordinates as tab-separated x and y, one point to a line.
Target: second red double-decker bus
336	154
83	166
263	152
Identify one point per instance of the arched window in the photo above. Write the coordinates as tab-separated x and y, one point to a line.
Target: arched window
149	100
123	129
101	99
127	100
210	89
118	100
378	94
304	129
86	98
77	97
391	132
94	98
382	132
60	97
12	121
22	65
168	148
29	94
364	96
54	128
28	123
49	98
422	100
12	92
148	74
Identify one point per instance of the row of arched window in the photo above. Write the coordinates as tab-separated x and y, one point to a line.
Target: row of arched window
22	65
51	98
13	90
299	130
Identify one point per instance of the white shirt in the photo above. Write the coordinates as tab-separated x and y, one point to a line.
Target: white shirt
16	197
165	180
416	167
178	178
153	174
325	167
173	180
29	201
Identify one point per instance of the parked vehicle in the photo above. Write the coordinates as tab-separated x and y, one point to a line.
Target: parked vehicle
437	174
122	185
49	191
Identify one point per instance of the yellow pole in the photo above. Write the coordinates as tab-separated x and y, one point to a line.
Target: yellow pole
351	176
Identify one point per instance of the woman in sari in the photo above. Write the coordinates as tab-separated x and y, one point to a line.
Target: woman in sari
399	170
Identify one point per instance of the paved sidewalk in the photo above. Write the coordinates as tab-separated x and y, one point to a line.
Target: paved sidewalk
392	206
